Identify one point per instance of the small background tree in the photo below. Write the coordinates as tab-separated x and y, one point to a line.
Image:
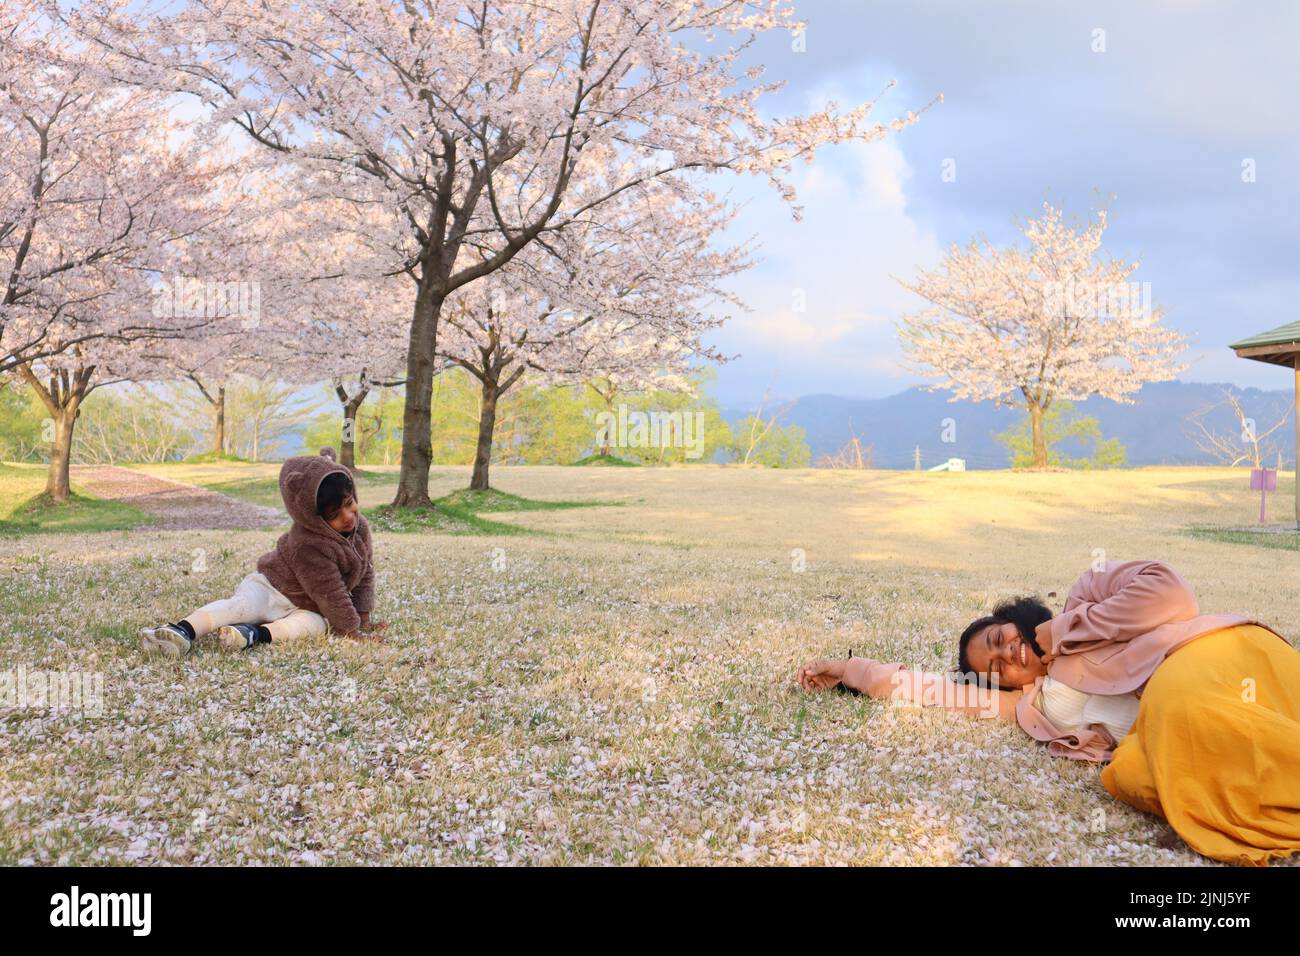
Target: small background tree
1244	444
776	445
1030	327
1060	424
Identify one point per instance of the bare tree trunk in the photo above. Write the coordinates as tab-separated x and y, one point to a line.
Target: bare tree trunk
609	421
666	429
57	484
487	421
417	419
755	436
365	437
62	398
219	423
1040	436
351	407
348	447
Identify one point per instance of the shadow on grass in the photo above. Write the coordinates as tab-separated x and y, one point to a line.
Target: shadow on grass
1277	540
604	461
461	513
41	515
214	458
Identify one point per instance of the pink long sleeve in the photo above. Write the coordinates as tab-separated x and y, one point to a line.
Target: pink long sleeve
904	687
868	676
1118	604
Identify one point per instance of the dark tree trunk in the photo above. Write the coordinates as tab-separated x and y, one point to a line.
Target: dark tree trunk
62	398
351	408
1040	436
219	423
417	420
487	422
609	421
57	484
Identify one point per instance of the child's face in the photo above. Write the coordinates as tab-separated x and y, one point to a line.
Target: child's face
345	522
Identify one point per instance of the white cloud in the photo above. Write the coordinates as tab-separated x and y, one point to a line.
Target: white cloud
794	330
823	301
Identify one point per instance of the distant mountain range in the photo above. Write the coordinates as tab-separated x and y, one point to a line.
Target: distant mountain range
1155	430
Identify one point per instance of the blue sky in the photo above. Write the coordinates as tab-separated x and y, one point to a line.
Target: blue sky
1158	124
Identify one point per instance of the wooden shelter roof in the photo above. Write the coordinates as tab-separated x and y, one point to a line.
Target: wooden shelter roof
1279	346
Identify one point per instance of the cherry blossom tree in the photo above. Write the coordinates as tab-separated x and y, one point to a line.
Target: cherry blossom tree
346	337
1027	326
293	295
208	362
101	190
621	297
235	281
336	309
176	326
63	381
94	189
482	127
340	346
646	365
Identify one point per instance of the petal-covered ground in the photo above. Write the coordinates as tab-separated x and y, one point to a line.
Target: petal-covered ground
616	688
172	505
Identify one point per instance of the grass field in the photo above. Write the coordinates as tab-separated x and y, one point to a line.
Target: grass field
22	510
615	687
259	483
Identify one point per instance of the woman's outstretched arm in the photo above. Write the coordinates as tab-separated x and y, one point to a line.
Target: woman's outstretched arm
904	687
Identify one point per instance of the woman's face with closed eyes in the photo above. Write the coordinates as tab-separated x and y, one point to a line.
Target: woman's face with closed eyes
1004	657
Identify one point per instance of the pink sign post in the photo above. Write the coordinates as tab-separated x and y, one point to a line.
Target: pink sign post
1263	480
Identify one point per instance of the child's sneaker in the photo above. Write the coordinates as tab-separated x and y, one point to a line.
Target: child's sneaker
166	641
236	637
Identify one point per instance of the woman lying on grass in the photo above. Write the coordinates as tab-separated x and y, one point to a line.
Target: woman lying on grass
1196	716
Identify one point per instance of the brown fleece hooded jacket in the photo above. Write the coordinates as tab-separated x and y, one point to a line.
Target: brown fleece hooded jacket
314	566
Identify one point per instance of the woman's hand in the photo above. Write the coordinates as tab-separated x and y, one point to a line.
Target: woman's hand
366	634
821	675
374	627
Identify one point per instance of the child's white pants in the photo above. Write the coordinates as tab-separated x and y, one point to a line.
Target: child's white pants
256	602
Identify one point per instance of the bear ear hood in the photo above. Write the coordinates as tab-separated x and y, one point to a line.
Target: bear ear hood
300	480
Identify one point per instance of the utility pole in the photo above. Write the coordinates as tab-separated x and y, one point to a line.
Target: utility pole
918	457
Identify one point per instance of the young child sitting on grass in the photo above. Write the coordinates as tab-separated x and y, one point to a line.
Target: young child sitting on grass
319	573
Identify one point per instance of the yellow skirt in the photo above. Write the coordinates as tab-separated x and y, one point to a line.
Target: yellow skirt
1216	746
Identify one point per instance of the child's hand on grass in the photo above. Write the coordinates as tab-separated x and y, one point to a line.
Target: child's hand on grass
369	630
